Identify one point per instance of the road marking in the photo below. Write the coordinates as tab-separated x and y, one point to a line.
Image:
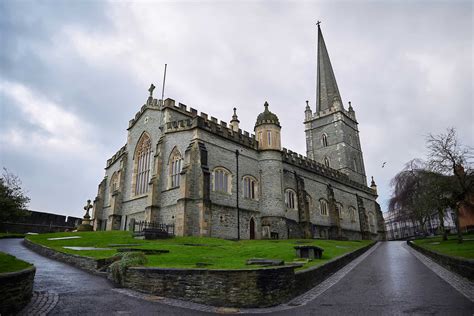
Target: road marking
462	285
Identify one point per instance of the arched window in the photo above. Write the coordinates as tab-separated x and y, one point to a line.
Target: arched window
174	165
269	138
372	222
222	180
142	158
290	199
250	187
323	206
324	140
352	213
340	210
326	162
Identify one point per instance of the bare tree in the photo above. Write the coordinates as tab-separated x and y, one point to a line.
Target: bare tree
409	201
451	158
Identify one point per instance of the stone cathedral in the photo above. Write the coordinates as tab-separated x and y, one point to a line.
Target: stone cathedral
209	178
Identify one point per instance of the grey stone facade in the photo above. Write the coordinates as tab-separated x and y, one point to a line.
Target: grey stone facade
232	179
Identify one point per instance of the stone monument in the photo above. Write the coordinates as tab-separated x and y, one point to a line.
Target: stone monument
86	222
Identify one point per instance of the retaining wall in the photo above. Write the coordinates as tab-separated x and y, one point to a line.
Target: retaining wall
464	267
16	289
231	288
85	263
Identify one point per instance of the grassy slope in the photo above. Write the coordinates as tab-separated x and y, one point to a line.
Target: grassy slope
10	263
450	247
221	254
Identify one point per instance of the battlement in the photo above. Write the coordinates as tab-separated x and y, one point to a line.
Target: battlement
215	127
319	168
349	114
117	155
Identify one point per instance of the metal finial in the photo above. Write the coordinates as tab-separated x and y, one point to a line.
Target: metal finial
235	111
307	103
266	105
317	23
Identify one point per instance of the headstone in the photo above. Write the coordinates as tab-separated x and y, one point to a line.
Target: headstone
86	222
266	262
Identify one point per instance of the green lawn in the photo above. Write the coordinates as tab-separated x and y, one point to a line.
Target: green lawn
185	252
451	246
10	263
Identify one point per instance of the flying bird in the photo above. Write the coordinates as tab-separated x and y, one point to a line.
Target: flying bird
383	165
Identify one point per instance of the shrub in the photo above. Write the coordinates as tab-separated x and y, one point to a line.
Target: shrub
127	259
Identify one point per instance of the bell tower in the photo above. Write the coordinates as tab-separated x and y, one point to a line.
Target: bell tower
332	135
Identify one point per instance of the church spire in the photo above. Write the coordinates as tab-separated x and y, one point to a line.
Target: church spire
326	85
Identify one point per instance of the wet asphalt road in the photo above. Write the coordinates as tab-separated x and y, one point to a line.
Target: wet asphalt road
390	281
81	293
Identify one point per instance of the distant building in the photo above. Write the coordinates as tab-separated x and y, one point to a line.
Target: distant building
209	178
398	227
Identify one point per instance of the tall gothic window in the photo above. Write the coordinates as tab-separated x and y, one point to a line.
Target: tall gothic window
290	199
339	210
143	155
372	222
175	165
326	162
323	206
354	164
352	213
222	180
250	187
324	140
269	138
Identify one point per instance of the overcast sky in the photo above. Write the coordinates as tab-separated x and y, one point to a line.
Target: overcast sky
72	74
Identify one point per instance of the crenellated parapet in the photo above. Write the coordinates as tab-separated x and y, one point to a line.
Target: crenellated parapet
319	168
117	155
208	123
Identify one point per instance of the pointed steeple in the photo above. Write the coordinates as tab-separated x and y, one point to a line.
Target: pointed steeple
326	85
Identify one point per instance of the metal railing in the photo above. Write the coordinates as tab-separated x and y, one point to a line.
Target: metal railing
140	226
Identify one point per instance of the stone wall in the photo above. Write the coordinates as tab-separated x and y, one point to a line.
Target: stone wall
16	289
232	288
464	267
84	263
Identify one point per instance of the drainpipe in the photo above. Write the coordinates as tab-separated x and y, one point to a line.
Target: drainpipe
238	180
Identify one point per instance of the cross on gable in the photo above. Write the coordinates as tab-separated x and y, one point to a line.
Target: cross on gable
317	23
152	87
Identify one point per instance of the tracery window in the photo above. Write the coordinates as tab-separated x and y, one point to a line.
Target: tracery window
175	165
339	210
326	162
222	180
250	187
324	140
352	213
143	155
114	182
323	206
372	222
290	199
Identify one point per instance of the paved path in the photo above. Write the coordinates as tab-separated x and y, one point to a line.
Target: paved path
390	280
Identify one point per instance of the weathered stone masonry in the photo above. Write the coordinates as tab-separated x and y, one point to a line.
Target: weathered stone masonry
276	192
